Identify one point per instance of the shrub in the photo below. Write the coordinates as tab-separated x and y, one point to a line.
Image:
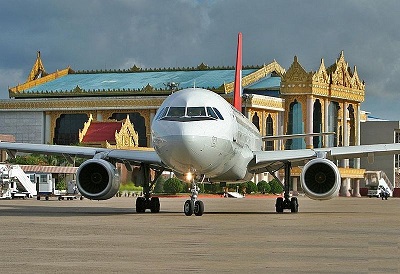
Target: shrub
276	187
159	185
263	187
173	186
250	187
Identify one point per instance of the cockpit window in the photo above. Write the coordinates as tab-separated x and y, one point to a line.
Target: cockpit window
187	114
212	113
218	113
162	113
176	112
196	111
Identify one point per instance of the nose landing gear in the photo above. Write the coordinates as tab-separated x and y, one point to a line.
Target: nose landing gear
193	205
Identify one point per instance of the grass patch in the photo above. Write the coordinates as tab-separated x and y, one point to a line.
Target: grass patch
130	186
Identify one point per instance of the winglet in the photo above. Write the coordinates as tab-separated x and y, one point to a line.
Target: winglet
237	93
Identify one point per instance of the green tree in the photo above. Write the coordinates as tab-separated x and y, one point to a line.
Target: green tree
276	187
173	186
263	187
250	187
159	185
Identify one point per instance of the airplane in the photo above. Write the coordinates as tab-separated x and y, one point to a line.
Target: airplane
199	136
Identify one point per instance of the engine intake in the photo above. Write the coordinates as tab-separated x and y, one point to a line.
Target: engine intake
97	179
320	179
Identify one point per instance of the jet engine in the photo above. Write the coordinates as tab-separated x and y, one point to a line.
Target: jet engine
97	179
320	179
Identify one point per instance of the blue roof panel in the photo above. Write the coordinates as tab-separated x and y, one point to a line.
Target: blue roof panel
265	83
139	80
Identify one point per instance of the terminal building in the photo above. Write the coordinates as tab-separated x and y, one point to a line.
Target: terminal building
58	107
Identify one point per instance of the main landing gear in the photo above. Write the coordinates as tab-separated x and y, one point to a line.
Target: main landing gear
193	205
146	201
285	202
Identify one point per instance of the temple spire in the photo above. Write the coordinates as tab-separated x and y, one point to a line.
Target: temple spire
37	70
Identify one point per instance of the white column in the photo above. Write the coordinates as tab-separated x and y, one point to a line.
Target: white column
326	120
344	188
356	188
309	119
280	129
345	132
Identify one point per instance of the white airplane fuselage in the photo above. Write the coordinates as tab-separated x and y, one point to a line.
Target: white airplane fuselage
197	131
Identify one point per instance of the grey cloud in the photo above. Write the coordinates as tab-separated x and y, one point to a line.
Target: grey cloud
116	34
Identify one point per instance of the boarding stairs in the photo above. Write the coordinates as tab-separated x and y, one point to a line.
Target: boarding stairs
5	190
386	179
22	181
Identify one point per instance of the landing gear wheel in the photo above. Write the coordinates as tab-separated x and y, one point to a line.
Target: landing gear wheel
279	204
198	208
155	204
188	207
140	204
294	205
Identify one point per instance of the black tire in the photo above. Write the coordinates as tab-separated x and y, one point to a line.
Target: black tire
294	205
198	208
140	204
38	197
188	208
279	205
155	204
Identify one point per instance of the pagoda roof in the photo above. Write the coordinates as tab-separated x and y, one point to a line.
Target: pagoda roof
137	81
101	132
158	80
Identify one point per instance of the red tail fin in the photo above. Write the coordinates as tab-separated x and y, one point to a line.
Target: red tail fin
237	93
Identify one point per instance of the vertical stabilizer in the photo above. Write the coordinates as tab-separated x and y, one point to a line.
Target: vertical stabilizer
237	93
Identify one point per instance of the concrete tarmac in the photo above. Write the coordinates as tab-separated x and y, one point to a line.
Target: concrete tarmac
342	235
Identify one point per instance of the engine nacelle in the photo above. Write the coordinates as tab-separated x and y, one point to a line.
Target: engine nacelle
97	179
320	179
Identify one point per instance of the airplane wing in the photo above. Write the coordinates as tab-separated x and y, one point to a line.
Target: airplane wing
132	156
270	160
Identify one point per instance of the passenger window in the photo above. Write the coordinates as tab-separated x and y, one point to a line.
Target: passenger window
176	112
218	114
196	111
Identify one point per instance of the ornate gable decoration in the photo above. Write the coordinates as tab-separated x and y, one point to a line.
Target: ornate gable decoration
336	81
296	73
259	74
86	125
321	76
127	137
37	70
341	74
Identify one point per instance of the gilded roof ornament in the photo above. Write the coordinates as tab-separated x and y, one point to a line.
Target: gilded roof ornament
148	88
202	66
37	70
135	68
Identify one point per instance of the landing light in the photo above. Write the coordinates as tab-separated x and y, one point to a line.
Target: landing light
189	176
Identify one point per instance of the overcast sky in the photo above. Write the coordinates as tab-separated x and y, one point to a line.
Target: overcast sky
90	34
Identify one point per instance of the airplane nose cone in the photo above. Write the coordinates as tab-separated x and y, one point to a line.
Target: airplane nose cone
187	152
